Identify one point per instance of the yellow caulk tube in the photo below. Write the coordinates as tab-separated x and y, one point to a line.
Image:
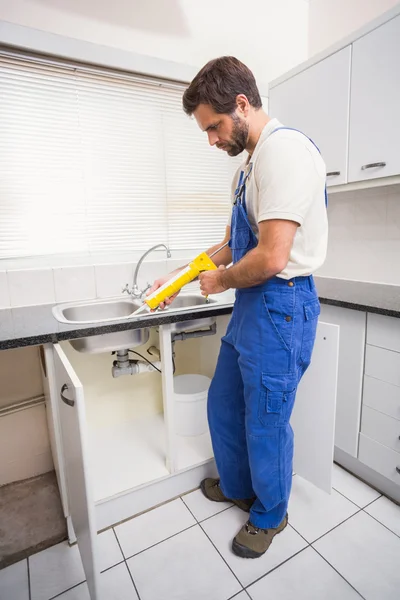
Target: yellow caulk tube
201	263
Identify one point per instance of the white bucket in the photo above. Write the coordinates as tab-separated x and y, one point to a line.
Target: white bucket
190	404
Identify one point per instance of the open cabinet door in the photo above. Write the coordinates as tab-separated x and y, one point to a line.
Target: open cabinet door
313	418
74	444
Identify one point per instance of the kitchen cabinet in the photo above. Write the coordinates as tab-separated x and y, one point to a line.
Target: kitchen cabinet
350	373
117	451
316	101
375	98
380	425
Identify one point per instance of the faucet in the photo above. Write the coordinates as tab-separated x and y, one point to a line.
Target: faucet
135	292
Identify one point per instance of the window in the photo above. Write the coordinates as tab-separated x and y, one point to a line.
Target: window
93	161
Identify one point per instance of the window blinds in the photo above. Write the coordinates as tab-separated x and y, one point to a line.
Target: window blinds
93	161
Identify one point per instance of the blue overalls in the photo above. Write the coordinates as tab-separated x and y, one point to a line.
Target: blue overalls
264	354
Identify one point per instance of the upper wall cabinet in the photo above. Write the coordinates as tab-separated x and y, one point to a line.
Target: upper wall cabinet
375	101
316	101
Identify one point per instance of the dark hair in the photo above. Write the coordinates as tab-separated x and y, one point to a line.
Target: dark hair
218	84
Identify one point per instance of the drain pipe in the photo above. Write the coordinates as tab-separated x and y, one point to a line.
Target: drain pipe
126	366
212	330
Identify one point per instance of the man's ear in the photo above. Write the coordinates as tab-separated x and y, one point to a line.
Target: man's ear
242	105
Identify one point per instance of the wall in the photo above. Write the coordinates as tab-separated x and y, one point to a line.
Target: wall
24	441
332	20
364	235
269	35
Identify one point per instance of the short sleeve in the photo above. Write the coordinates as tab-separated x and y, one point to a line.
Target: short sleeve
288	172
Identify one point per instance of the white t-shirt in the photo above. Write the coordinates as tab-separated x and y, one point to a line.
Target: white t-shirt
288	182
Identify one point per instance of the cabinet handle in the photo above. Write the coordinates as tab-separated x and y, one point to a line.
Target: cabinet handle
63	398
333	173
373	165
398	470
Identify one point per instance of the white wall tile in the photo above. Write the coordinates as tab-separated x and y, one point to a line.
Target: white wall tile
364	235
33	286
4	293
111	279
74	283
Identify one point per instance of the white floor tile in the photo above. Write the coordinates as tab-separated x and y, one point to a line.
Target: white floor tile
115	584
55	570
304	577
203	508
222	529
313	512
185	566
153	527
387	512
14	582
109	551
367	555
355	490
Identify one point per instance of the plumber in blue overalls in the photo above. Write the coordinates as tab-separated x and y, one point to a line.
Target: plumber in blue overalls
270	337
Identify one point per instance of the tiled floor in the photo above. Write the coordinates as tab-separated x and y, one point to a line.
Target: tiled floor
344	546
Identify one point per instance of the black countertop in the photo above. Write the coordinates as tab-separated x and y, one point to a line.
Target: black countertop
33	325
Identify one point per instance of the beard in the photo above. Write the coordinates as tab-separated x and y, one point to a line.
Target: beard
240	134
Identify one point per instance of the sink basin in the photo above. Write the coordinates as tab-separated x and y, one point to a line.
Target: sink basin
99	312
96	311
189	301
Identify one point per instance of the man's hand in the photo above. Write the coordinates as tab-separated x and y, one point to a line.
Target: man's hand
158	283
211	281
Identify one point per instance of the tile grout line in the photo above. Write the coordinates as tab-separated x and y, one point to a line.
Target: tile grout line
68	590
380	523
126	564
211	516
212	543
274	568
336	526
29	579
347	498
160	542
338	572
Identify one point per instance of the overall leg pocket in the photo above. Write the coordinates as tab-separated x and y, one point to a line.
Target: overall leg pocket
280	312
311	311
277	396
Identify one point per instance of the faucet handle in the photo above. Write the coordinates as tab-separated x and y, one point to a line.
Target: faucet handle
148	286
126	289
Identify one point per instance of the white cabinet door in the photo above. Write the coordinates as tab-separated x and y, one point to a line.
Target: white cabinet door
316	101
79	491
352	325
374	106
313	419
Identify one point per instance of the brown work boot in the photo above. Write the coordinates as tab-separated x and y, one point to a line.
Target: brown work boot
212	491
252	542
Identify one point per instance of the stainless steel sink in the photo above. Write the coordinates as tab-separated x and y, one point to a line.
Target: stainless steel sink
100	312
96	311
189	301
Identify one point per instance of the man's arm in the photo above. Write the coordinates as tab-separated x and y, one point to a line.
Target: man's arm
266	260
222	258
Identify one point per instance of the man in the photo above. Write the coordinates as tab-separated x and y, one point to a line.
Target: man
278	238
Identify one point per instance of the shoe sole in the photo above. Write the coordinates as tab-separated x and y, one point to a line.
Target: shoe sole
245	552
203	489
